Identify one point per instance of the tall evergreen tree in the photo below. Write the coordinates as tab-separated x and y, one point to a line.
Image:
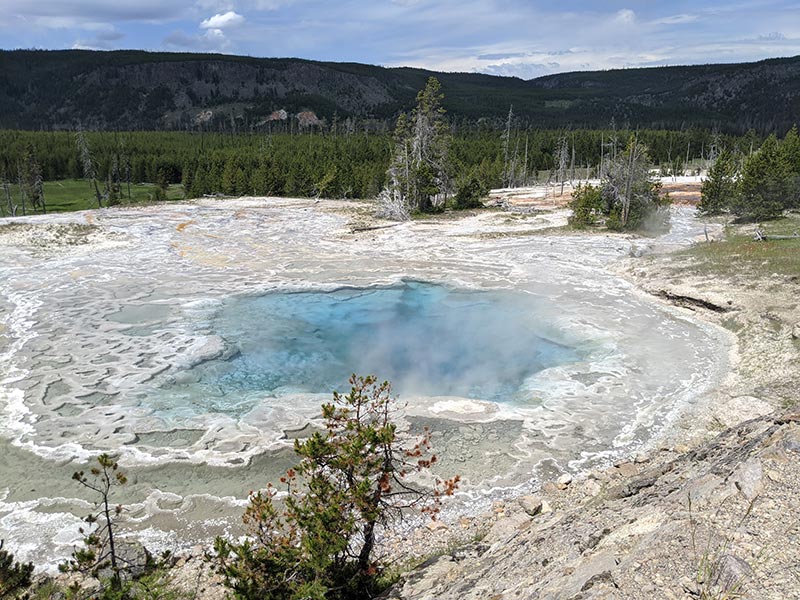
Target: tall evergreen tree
790	150
765	184
418	176
720	188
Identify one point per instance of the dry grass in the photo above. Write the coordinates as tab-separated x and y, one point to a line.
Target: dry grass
740	254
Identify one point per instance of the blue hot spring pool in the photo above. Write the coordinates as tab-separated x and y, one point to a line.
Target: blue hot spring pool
427	339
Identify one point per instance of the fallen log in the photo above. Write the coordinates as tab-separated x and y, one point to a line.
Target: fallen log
760	236
690	302
372	227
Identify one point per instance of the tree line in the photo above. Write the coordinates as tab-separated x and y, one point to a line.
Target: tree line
756	186
164	154
337	165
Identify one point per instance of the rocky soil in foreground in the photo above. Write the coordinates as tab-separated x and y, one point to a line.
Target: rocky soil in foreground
719	521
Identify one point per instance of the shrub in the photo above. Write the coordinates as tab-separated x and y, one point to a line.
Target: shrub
15	578
470	194
587	206
318	541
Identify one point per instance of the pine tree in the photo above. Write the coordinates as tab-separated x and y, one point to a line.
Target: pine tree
765	184
319	542
632	198
720	188
790	150
101	549
418	176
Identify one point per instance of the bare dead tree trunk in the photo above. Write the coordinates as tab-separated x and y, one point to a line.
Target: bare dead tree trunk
21	191
506	144
12	208
97	194
572	165
525	163
513	175
602	156
686	164
563	157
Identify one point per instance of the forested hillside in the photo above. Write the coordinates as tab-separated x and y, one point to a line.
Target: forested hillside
135	90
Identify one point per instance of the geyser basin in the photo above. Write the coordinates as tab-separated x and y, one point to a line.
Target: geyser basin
427	339
97	343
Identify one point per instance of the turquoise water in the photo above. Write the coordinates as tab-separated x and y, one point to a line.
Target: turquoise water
426	339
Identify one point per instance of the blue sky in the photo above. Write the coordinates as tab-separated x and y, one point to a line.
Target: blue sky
504	37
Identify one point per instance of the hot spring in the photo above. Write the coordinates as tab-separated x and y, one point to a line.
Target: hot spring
427	339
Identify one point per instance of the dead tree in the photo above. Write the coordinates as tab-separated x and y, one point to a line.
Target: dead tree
506	148
89	171
562	160
12	208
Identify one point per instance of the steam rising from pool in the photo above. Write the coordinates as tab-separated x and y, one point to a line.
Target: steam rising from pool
427	339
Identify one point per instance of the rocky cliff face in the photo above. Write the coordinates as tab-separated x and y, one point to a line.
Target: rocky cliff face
720	521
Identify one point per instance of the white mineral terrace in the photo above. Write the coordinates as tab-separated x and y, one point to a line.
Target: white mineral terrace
93	321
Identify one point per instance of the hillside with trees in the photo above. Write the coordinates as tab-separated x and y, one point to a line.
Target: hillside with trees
136	90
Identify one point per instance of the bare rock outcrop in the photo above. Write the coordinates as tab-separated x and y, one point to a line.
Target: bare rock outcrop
718	519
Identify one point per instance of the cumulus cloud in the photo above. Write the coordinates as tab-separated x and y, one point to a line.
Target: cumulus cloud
223	21
210	40
625	15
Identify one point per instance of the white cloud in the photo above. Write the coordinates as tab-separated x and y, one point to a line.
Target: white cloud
626	15
454	35
209	40
775	36
676	19
223	21
82	10
268	4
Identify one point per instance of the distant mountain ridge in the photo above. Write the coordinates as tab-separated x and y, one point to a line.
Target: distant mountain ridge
131	90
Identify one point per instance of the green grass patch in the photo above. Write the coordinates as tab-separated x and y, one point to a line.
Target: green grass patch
68	195
740	254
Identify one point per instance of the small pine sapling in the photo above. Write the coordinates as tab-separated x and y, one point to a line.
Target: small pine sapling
100	551
318	541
